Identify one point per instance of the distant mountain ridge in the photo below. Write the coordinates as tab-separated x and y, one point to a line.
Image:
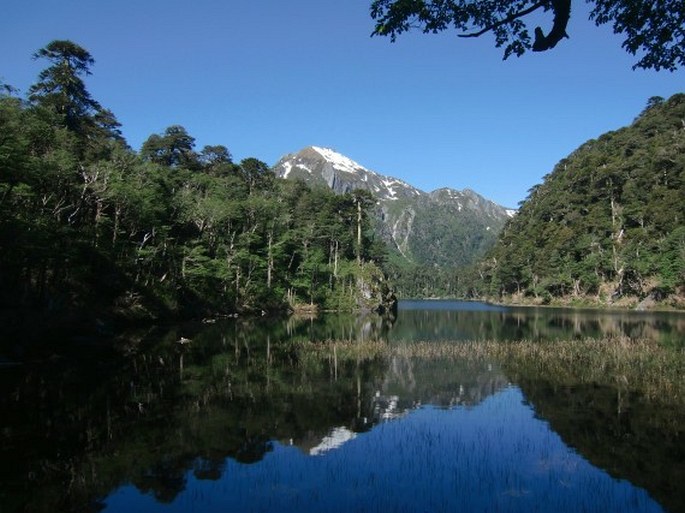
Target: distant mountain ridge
444	228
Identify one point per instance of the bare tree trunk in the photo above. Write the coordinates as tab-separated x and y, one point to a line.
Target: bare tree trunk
616	232
359	232
335	259
115	228
270	261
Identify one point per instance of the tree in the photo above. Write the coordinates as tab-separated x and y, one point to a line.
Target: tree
363	200
216	160
654	29
89	226
607	221
61	92
256	173
654	101
174	148
60	86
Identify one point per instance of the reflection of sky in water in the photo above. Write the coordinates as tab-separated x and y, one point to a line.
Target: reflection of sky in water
494	457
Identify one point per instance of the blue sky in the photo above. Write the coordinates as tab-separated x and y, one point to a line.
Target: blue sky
269	77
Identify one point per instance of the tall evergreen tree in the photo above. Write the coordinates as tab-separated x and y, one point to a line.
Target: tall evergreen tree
61	91
60	87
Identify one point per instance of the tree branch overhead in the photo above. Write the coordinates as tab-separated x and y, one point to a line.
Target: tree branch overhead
652	29
562	15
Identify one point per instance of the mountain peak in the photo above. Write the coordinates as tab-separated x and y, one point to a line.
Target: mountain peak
339	161
324	166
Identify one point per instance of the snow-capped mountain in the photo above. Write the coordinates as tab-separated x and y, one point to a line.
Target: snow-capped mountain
444	227
340	173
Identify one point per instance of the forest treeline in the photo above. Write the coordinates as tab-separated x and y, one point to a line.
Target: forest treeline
606	225
89	224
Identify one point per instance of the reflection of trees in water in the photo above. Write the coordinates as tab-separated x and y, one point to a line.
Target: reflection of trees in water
622	432
533	324
165	480
153	410
157	409
338	327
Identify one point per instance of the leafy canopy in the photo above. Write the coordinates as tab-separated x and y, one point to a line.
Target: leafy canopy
655	30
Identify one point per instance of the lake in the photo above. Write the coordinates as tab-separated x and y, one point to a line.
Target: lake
241	419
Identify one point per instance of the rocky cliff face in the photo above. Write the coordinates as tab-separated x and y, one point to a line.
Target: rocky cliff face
445	227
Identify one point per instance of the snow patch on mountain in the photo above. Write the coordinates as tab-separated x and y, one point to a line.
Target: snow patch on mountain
300	165
288	166
338	161
392	193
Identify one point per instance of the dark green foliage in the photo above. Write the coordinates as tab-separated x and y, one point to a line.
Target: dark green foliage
88	225
653	29
608	222
173	149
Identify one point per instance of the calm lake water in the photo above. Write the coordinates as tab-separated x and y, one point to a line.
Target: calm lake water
238	420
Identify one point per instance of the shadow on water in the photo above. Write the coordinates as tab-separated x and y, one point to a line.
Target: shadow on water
151	415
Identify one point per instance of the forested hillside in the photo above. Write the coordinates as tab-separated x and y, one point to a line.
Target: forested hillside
89	225
608	224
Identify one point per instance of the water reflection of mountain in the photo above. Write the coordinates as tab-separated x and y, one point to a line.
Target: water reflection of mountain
450	321
441	382
408	384
154	410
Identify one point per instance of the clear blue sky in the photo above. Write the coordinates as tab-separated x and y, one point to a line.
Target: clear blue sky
269	77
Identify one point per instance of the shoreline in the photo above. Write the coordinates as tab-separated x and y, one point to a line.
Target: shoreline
572	303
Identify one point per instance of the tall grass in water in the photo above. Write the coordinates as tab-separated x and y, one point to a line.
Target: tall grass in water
642	365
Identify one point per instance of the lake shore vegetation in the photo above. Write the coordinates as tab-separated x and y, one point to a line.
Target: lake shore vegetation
645	366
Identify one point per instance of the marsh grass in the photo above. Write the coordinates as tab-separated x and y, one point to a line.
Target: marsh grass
642	365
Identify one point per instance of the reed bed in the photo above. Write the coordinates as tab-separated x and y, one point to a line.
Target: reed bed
642	365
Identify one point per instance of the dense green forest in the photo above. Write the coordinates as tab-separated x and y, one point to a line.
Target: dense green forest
607	225
89	225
